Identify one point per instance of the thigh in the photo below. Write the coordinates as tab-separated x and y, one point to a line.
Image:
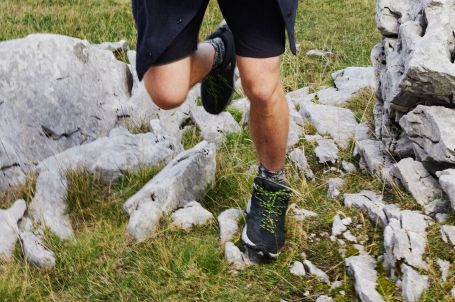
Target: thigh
258	27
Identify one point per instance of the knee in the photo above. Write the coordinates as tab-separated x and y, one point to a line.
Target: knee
165	98
261	93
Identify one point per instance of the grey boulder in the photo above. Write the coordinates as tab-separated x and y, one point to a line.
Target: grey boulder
36	252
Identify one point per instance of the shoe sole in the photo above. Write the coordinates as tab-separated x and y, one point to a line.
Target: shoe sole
256	255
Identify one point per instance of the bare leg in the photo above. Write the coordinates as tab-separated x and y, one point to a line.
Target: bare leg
168	84
269	113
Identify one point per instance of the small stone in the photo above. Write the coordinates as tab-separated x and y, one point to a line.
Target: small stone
326	151
362	270
9	229
36	252
413	284
324	298
417	180
228	222
348	167
192	214
349	237
298	158
337	226
299	214
448	233
319	53
234	256
297	269
334	187
452	292
347	221
444	267
442	218
336	285
315	271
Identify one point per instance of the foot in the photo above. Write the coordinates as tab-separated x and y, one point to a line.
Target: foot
264	233
217	87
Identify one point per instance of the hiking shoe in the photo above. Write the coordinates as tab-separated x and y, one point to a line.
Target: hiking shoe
217	87
264	233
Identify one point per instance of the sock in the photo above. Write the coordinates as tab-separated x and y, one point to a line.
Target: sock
218	45
273	176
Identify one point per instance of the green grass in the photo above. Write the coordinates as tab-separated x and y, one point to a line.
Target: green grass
102	264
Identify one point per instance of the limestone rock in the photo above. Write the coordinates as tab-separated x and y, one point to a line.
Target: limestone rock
448	233
319	53
300	96
338	226
297	269
228	221
57	92
214	127
144	221
299	214
362	270
119	46
349	237
413	284
447	182
334	185
36	252
430	130
437	206
235	257
326	151
348	167
111	156
315	271
294	134
192	214
444	267
339	123
374	155
298	158
369	202
185	178
324	298
417	180
9	229
348	83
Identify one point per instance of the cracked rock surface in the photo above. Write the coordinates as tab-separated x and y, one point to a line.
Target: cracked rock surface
362	270
111	156
184	179
77	95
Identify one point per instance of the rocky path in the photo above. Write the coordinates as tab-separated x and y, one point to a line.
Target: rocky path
411	144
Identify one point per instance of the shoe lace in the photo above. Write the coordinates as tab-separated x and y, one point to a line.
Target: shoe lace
273	204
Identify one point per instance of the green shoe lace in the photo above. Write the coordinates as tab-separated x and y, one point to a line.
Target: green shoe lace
272	205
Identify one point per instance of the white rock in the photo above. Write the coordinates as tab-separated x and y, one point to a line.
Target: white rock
185	178
447	181
57	92
298	158
417	180
9	229
430	130
297	269
334	187
319	53
234	256
144	221
121	46
437	206
336	285
228	221
315	271
214	127
339	123
362	269
349	237
111	156
413	284
448	233
374	155
348	167
338	227
348	83
452	292
324	298
444	267
36	252
370	202
326	151
192	214
299	214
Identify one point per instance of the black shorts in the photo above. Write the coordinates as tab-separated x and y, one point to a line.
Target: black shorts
258	27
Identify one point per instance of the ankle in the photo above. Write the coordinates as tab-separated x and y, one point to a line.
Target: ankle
276	176
218	46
